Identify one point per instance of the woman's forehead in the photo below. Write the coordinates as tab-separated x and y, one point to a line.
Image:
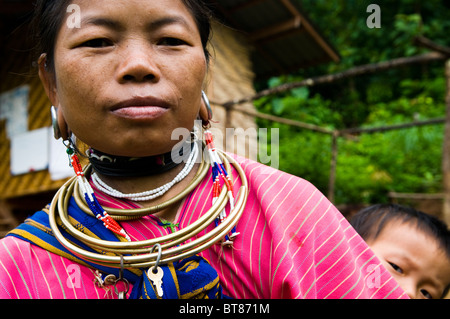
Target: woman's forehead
153	13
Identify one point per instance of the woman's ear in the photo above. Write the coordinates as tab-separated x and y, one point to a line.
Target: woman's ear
48	79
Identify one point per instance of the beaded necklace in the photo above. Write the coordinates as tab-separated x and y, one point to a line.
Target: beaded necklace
150	194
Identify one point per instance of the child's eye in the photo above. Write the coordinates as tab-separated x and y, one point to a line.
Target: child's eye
97	43
396	268
426	294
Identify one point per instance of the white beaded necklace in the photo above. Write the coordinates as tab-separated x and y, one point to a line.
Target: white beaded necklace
150	194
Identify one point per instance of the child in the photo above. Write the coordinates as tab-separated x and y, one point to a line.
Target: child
413	246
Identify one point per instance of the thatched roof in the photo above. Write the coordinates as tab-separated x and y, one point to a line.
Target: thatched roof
282	36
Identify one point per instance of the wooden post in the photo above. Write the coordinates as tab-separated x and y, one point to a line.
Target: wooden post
333	163
446	150
7	219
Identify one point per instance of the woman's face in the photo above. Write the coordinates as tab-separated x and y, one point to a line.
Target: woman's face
129	75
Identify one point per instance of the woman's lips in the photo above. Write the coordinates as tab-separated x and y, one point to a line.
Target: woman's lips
141	108
141	112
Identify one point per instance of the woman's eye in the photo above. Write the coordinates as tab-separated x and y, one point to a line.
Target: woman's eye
171	42
396	268
426	294
97	43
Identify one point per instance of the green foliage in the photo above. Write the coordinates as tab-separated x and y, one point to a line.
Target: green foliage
368	168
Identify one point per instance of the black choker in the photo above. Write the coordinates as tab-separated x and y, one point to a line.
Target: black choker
111	165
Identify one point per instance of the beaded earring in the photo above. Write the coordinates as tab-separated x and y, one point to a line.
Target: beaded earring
218	173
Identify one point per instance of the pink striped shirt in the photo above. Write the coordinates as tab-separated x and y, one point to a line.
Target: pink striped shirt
293	243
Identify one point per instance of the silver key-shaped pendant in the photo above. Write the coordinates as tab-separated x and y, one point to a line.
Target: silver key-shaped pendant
156	278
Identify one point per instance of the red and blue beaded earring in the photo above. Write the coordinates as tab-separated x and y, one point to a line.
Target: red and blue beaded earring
218	173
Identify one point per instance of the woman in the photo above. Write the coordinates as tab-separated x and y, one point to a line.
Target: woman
122	82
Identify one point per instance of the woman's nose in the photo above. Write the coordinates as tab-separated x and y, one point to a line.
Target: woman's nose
137	65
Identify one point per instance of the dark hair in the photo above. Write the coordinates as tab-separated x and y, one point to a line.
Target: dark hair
49	16
370	221
203	16
47	20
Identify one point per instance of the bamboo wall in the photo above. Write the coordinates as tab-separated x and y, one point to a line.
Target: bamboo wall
17	71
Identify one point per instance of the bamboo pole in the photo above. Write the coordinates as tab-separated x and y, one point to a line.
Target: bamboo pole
277	119
446	150
330	78
385	128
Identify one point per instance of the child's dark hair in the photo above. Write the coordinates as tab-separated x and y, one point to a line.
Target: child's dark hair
370	221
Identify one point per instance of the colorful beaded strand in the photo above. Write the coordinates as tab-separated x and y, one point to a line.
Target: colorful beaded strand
218	170
90	198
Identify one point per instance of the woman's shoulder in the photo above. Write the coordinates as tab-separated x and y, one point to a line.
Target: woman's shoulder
265	175
11	245
15	256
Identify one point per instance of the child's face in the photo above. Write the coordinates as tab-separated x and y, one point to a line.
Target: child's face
414	259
